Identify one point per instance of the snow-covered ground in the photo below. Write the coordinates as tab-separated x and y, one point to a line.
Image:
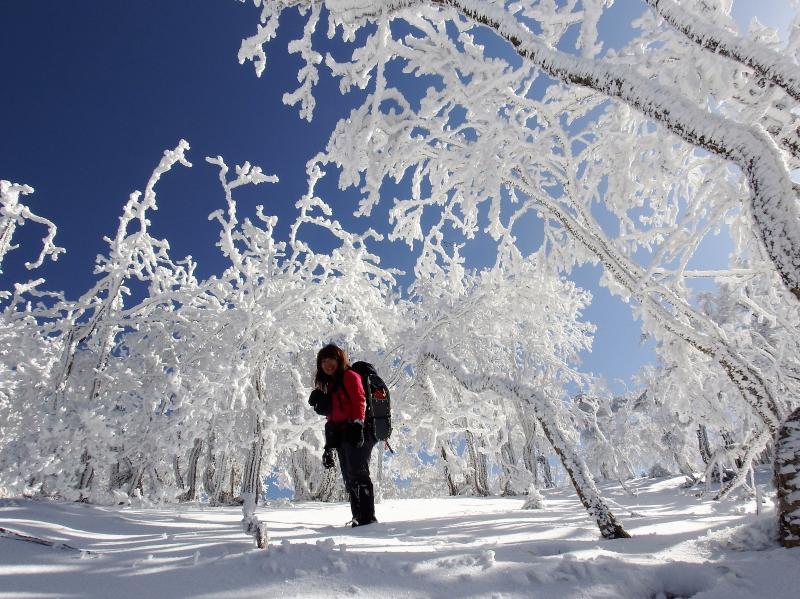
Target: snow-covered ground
682	546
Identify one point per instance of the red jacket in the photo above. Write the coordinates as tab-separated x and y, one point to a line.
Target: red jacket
352	404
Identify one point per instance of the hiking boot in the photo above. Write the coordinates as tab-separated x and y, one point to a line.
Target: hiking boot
366	505
372	520
354	506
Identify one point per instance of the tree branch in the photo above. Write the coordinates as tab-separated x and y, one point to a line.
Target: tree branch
768	64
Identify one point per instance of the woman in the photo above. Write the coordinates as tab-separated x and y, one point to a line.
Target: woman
341	389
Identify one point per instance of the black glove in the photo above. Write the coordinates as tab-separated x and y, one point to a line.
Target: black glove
327	459
355	433
320	401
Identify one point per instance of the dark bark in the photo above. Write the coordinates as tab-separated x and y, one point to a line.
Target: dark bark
251	476
87	474
191	473
787	480
703	444
770	65
176	468
452	488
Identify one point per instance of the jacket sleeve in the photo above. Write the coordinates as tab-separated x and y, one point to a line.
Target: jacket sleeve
355	392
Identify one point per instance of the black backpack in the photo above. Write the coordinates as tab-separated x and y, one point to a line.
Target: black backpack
379	407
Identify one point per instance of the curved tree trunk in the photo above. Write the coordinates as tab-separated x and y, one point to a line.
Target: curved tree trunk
787	480
452	487
574	465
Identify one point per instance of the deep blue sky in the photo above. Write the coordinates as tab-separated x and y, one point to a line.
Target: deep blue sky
93	92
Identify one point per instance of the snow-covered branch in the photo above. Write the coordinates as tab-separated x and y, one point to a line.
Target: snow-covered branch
770	65
13	213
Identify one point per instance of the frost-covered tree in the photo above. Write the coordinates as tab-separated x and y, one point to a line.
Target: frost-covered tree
471	332
124	394
687	130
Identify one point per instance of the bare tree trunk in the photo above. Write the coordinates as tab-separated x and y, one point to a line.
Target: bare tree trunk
210	470
135	481
251	487
529	450
214	472
705	451
671	442
547	473
787	480
176	468
87	474
477	461
252	464
452	487
535	461
234	477
191	474
156	483
508	463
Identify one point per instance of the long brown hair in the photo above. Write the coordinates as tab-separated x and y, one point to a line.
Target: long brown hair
322	380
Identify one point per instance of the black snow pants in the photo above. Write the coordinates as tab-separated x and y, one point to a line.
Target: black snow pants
354	462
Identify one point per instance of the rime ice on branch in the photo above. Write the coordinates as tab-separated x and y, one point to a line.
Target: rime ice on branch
534	150
13	213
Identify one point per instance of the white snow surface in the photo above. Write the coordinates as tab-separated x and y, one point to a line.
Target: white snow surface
682	546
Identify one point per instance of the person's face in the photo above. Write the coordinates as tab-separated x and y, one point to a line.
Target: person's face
329	365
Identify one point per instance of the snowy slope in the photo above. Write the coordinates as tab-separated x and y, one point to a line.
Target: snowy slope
682	546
